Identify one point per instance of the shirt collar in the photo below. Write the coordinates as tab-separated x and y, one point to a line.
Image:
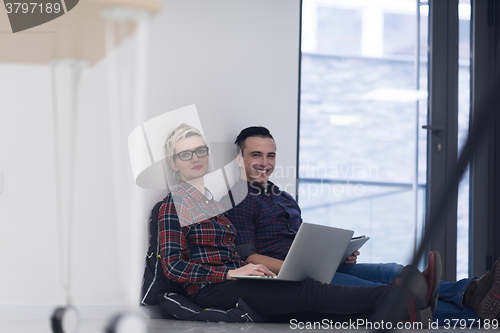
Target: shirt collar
185	188
272	189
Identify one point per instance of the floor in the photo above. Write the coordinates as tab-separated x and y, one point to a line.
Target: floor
175	326
119	319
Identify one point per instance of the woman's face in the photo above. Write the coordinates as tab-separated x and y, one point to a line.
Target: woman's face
194	168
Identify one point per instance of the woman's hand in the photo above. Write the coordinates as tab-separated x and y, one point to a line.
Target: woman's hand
250	269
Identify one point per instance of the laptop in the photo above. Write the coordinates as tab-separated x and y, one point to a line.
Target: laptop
316	252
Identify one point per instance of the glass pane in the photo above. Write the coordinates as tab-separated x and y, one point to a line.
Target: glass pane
330	21
463	127
360	117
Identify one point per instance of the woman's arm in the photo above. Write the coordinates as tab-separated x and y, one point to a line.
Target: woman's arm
174	252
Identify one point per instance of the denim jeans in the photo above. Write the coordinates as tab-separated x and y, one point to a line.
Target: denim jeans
450	305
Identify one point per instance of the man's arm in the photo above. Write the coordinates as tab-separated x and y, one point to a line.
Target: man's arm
273	264
352	259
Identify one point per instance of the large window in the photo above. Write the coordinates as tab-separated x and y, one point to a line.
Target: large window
362	151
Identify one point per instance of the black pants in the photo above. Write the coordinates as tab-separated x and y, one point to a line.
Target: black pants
272	298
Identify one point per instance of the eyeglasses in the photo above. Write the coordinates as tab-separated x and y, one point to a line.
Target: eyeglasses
187	155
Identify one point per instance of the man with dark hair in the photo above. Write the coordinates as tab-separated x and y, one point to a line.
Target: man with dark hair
253	131
267	220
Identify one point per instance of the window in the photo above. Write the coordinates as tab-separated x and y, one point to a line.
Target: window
362	151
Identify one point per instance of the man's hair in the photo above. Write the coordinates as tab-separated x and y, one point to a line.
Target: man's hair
258	131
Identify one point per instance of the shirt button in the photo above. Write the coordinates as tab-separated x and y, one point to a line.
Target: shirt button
206	201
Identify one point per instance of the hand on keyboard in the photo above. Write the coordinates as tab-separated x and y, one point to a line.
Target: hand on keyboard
251	269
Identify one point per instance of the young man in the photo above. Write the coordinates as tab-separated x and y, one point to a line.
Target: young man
267	220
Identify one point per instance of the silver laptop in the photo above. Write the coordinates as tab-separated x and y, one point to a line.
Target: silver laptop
316	253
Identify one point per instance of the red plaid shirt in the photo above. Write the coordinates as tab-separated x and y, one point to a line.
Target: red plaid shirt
202	251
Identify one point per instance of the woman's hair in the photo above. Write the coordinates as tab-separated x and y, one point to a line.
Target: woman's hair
180	132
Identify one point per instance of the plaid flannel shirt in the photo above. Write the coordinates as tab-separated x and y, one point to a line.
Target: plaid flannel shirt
196	241
266	220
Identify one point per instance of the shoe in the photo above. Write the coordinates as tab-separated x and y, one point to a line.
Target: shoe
416	300
415	308
432	275
483	294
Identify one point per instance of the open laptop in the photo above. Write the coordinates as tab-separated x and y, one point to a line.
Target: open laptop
316	253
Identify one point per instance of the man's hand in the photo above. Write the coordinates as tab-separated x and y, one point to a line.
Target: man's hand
250	269
352	259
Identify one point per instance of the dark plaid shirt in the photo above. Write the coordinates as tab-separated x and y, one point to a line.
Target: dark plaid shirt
266	220
202	251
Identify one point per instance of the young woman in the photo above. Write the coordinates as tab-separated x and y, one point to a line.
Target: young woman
197	250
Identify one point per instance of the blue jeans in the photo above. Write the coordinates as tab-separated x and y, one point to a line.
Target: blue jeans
450	305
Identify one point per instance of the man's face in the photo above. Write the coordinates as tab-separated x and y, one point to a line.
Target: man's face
259	159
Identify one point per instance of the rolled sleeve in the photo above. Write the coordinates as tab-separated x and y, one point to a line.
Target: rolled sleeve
245	250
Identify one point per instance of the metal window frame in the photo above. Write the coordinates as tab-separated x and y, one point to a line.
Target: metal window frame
442	127
484	235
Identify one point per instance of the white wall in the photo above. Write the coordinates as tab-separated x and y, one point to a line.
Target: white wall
236	60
